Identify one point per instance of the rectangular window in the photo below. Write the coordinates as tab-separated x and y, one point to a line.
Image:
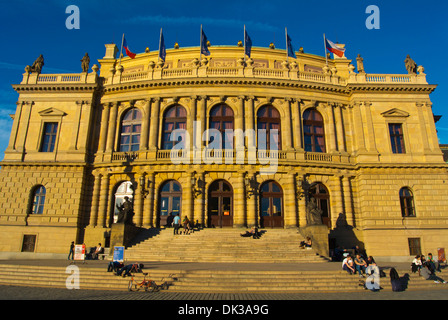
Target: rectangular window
49	136
414	246
29	243
396	138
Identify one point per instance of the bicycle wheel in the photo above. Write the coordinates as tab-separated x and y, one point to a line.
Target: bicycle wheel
165	286
131	285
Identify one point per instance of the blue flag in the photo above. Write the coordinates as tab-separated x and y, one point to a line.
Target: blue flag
248	44
290	49
162	48
204	48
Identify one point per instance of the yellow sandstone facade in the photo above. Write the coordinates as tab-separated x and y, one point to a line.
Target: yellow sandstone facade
363	145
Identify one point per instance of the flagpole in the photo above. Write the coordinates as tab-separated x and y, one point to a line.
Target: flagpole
160	42
121	50
325	46
286	37
200	47
244	43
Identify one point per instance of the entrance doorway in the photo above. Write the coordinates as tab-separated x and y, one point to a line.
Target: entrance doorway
271	205
170	198
220	204
322	196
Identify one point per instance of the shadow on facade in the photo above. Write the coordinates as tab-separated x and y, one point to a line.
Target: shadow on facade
343	236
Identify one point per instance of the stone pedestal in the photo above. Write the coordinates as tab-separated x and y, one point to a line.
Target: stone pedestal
319	238
122	234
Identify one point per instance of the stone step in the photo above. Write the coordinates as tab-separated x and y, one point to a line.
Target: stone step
203	280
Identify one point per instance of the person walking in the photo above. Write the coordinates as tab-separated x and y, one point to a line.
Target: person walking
176	224
72	251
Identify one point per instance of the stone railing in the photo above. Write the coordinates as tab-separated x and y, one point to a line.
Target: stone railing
363	78
70	78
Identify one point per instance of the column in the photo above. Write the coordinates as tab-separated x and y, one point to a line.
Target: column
348	200
370	130
138	202
24	125
76	124
337	200
432	134
290	202
145	125
331	128
199	200
297	127
190	125
154	127
252	214
104	127
286	127
103	201
239	207
250	123
339	128
15	126
358	126
112	127
187	197
302	201
95	200
239	124
148	207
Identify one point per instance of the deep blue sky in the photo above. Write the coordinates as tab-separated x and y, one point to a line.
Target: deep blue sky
30	28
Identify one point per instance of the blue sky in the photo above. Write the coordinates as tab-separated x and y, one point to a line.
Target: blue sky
30	28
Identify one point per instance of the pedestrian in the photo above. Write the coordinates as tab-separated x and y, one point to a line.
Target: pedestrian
72	251
176	224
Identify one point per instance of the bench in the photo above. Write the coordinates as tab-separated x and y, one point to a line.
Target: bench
104	254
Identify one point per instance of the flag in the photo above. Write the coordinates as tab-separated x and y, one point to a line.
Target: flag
128	51
247	44
162	48
204	48
290	49
334	48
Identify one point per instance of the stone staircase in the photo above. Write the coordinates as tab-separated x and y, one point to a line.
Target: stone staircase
202	281
224	245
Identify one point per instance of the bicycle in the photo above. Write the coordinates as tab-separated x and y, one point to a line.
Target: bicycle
148	285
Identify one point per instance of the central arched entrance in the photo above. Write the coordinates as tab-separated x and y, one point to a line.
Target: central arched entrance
170	202
220	204
271	205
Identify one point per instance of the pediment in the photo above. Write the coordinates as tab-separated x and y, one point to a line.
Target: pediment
395	113
52	112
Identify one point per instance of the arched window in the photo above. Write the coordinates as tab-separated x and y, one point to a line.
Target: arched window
221	119
407	202
268	118
175	118
131	127
38	200
313	131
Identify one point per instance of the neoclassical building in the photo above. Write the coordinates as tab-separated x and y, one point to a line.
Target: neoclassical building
228	141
